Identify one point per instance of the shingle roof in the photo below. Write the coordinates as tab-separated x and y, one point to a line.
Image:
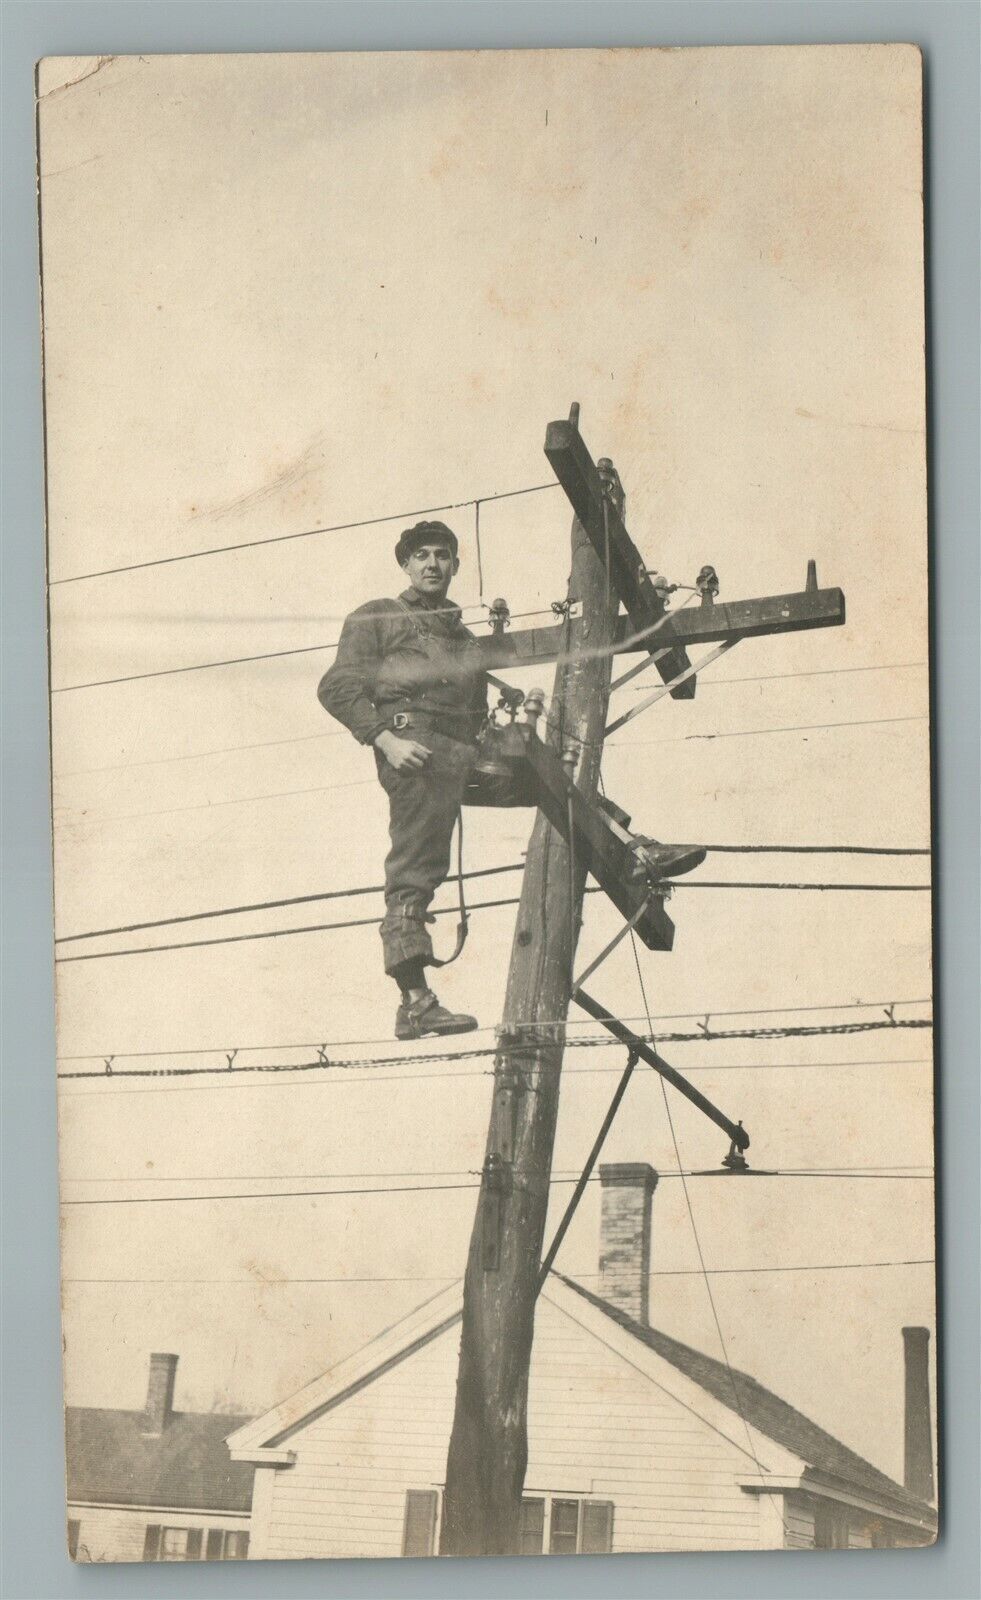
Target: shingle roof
113	1462
770	1415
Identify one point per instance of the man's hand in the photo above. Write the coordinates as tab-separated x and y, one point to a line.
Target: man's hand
405	755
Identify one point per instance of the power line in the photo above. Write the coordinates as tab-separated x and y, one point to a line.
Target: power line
268	744
323	1194
272	933
817	672
887	1006
480	905
356	1063
830	888
641	639
819	849
659	1272
483	872
263	905
749	733
661	1016
273	1194
200	755
113	1085
238	800
230	661
361	783
811	1266
306	533
911	1170
694	1229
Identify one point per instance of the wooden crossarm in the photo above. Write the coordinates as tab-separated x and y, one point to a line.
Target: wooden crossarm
748	619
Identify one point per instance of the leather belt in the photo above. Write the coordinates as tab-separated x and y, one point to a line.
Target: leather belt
426	722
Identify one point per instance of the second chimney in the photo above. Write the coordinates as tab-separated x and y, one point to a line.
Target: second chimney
625	1236
918	1465
159	1393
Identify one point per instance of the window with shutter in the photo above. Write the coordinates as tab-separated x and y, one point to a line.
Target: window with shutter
215	1547
419	1528
236	1545
597	1527
151	1543
563	1537
73	1527
173	1544
532	1527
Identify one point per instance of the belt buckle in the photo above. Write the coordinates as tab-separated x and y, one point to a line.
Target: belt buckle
400	719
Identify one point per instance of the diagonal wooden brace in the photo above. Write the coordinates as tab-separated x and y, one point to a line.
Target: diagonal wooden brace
577	473
627	866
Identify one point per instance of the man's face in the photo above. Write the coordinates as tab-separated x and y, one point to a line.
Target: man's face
430	569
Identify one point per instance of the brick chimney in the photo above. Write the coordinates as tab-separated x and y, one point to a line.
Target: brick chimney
918	1461
159	1394
625	1236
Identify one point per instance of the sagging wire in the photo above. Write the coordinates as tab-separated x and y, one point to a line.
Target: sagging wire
698	1246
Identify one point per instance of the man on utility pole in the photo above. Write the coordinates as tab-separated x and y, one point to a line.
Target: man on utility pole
489	1445
405	680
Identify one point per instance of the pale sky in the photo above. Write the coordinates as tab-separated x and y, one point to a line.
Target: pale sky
284	293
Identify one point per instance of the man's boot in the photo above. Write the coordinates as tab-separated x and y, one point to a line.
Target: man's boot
425	1017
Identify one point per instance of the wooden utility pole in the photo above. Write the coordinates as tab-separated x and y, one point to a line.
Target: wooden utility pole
489	1443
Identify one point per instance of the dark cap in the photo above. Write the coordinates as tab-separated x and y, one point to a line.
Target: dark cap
424	533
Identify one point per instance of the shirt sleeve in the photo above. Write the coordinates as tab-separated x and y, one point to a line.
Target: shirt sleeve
345	690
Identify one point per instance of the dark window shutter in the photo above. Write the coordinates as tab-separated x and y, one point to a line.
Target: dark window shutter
563	1537
215	1544
194	1544
151	1544
830	1526
73	1527
532	1527
597	1527
419	1529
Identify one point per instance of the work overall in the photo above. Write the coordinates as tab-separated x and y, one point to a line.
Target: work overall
413	670
424	806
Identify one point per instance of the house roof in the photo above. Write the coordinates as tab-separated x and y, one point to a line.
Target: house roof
112	1461
814	1455
766	1412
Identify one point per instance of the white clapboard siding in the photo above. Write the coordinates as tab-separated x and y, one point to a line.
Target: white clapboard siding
597	1427
118	1533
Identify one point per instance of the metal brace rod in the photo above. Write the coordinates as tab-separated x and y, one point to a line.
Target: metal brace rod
621	933
737	1133
658	694
587	1171
641	666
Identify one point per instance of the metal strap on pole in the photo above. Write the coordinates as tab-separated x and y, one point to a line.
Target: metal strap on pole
608	949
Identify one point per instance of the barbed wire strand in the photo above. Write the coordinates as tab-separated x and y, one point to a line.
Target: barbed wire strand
355	1063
